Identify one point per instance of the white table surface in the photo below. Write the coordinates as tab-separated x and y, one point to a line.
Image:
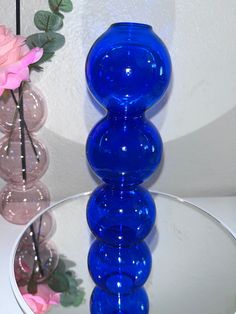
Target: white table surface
223	208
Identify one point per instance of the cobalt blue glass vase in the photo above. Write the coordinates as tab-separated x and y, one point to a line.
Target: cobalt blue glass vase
104	303
128	70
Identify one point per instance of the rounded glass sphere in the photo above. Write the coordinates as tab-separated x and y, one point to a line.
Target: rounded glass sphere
103	302
121	216
119	269
128	69
43	228
20	204
26	263
35	110
11	162
124	151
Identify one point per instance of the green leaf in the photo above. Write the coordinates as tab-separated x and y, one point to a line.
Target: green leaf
72	281
36	67
78	300
47	21
61	5
72	299
58	282
67	299
59	14
49	41
61	267
47	56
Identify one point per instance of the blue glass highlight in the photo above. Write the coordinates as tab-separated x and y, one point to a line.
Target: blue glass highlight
119	269
105	303
121	216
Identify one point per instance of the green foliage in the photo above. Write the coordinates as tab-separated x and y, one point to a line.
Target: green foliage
49	41
61	5
61	267
75	295
69	299
65	281
47	21
59	14
47	56
59	282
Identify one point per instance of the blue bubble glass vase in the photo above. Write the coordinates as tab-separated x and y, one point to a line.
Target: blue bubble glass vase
128	70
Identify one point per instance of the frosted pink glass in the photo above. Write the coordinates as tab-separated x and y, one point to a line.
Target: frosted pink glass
25	264
44	228
19	205
10	160
35	110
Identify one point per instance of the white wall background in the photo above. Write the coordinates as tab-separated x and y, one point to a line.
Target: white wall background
198	122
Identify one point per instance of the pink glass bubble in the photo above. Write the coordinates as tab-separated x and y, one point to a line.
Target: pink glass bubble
27	262
35	110
20	204
44	228
11	164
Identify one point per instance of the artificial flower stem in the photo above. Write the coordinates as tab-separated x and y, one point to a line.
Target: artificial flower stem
58	6
26	127
36	247
11	132
40	226
20	107
18	22
31	141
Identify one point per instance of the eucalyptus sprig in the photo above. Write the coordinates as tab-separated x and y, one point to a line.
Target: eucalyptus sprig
49	22
65	281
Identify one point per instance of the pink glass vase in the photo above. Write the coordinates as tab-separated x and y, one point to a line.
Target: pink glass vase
27	266
19	204
23	158
35	110
44	228
10	160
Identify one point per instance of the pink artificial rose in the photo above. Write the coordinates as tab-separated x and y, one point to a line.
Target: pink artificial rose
15	58
42	302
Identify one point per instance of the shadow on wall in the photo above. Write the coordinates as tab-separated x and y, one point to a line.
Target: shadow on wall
202	163
199	164
68	172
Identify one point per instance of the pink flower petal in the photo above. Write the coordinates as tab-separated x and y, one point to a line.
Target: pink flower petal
10	57
2	29
41	302
15	58
3	78
33	56
55	299
8	46
31	303
14	80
